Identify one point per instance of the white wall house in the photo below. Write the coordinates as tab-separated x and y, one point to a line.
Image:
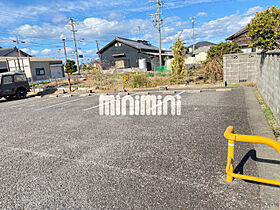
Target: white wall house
200	55
36	68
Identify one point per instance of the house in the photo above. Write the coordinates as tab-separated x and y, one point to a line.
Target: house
125	53
200	53
242	39
198	45
198	56
35	68
10	52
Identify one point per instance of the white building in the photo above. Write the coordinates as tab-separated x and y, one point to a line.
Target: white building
35	68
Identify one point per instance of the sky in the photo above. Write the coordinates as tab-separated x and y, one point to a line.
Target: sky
40	23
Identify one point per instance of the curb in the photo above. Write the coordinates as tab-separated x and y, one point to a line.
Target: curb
260	127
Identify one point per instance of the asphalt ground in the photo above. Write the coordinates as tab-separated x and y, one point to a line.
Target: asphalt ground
60	153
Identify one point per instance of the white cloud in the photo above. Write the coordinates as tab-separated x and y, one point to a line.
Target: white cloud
90	29
253	10
105	29
200	14
46	51
218	29
115	16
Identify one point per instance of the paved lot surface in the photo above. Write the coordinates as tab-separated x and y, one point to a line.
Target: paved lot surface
54	154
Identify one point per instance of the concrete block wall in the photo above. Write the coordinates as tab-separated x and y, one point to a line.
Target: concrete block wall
241	67
269	81
264	69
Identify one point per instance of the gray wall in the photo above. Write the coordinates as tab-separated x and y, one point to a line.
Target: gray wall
42	64
269	81
263	69
131	54
241	67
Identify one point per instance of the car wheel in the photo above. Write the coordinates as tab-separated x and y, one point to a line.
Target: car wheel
21	94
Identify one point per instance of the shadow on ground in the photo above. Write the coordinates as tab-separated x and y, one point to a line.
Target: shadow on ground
253	155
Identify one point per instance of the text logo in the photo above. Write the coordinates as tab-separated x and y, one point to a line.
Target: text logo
139	105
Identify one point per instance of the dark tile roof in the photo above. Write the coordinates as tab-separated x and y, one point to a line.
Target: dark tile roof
141	44
6	51
238	33
138	44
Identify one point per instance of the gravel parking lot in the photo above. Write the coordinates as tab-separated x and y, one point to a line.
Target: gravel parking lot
58	153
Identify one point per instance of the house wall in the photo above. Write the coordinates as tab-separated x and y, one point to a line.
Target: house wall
264	69
242	39
131	54
14	54
197	59
42	64
29	67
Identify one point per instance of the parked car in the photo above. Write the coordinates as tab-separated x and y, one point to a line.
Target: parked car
13	84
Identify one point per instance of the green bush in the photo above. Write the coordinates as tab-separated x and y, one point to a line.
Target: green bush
139	81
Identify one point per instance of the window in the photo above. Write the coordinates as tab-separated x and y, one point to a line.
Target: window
20	78
118	44
40	71
7	80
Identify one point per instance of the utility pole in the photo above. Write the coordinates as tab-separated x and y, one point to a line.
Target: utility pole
72	23
159	22
193	20
65	54
97	48
17	41
139	28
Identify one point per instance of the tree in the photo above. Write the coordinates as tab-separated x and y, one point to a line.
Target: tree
70	66
216	52
264	29
178	63
213	66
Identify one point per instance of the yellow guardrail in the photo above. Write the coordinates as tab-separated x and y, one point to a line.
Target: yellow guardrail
229	134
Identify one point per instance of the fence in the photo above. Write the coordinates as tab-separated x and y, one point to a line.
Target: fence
261	68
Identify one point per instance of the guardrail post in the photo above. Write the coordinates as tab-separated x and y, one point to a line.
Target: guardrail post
230	159
229	134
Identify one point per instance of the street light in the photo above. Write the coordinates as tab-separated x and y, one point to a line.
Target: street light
63	38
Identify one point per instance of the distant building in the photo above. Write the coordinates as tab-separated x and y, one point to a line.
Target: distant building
242	39
198	45
200	53
126	53
35	68
10	52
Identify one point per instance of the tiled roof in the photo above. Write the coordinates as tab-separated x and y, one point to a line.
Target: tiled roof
140	44
6	51
238	33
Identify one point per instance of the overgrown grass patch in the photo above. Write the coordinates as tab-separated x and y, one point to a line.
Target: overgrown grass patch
274	125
